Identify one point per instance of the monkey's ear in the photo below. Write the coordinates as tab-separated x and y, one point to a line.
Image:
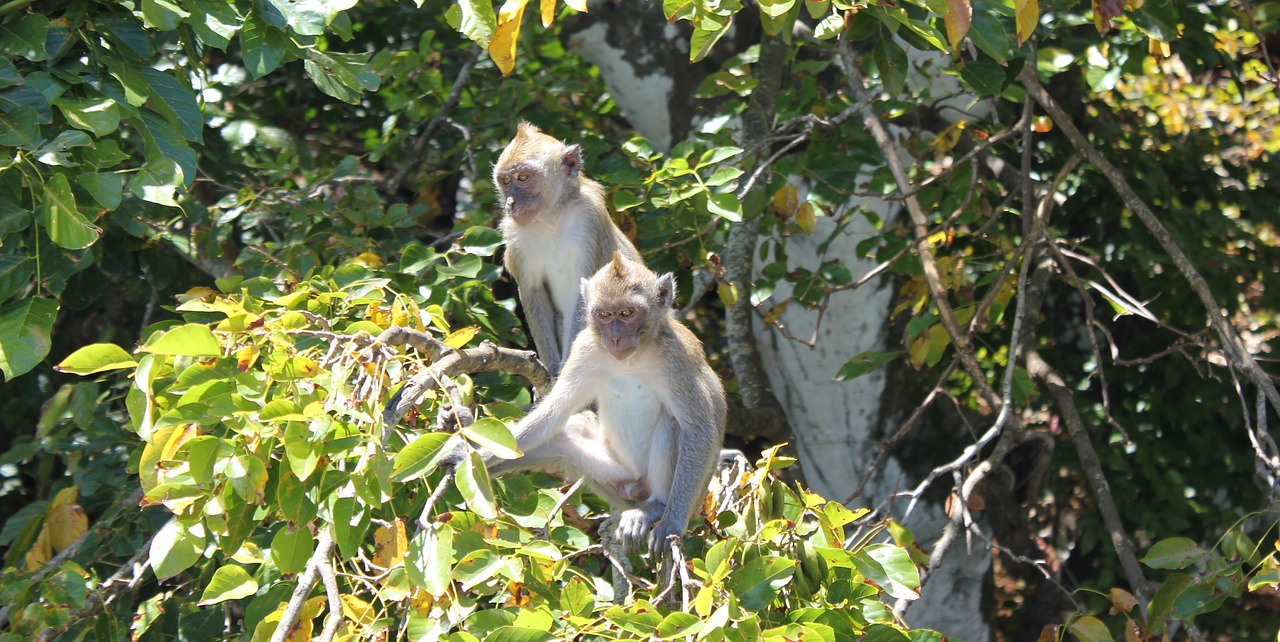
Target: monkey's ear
572	160
666	290
584	286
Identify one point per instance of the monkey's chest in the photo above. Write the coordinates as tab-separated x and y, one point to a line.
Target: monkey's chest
557	264
630	412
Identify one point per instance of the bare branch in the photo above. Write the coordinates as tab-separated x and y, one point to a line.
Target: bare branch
449	362
306	580
1235	349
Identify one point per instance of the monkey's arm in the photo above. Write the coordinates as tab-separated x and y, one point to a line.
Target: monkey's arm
698	410
541	315
570	394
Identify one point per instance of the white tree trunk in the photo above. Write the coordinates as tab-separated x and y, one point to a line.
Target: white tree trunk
835	423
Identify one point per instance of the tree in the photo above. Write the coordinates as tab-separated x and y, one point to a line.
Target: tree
258	236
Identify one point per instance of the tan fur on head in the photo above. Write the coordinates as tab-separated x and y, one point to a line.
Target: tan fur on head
529	142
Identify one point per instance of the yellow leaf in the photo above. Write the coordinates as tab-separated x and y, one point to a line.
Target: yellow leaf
1158	47
399	315
368	259
919	351
358	610
502	48
807	217
246	357
1027	16
727	292
577	5
548	12
312	607
461	337
67	495
389	545
1122	601
946	141
786	200
959	15
41	552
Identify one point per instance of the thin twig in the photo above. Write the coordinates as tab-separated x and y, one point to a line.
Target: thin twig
415	156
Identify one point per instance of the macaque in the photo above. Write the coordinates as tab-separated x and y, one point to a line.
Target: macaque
558	233
654	439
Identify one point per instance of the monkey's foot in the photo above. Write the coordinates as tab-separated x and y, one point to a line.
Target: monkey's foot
633	528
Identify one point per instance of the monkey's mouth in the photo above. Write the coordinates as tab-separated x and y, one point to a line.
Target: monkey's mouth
521	215
621	353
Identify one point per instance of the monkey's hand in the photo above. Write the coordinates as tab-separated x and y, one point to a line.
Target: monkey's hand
660	540
633	526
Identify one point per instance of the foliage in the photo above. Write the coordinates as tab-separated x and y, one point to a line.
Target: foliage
238	165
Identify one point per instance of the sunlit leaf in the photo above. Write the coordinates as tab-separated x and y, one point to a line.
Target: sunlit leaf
1027	16
502	49
97	357
230	582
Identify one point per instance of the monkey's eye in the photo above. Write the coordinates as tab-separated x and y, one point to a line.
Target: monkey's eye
522	177
505	180
626	314
604	315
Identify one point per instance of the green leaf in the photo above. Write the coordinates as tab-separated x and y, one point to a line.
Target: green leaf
101	116
24	334
883	633
419	457
1158	19
494	436
481	240
63	222
20	128
343	76
248	477
162	141
429	559
891	61
1162	602
25	37
350	523
985	77
175	548
162	15
97	357
1090	629
291	547
865	362
478	21
262	45
15	273
9	75
519	634
891	568
678	624
986	30
106	188
309	17
231	582
214	21
1199	598
759	580
282	410
157	182
192	340
176	101
717	155
726	206
473	483
703	40
1173	553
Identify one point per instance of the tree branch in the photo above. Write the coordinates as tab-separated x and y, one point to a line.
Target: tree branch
449	362
1234	347
306	580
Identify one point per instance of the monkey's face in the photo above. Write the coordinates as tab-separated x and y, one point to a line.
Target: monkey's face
522	191
620	328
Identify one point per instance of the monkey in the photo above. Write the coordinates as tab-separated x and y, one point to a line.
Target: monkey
557	231
652	443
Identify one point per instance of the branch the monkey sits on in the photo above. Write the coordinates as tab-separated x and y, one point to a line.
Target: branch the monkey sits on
660	408
558	232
